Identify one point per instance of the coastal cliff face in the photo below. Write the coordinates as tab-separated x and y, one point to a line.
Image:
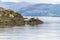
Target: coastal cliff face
11	18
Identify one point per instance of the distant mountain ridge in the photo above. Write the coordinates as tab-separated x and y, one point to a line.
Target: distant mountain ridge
14	6
6	4
28	9
37	10
41	10
56	10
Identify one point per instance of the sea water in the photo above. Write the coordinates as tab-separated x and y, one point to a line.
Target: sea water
49	30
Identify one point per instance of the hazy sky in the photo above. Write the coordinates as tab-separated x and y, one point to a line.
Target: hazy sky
34	1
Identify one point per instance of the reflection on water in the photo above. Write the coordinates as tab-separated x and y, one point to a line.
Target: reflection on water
46	31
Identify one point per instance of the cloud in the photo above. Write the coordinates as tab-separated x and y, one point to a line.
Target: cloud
34	1
9	0
57	1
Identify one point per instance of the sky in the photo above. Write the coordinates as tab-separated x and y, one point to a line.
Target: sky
35	1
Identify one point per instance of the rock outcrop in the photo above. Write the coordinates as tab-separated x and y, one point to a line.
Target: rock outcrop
11	18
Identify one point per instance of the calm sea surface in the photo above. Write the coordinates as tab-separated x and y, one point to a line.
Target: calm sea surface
50	30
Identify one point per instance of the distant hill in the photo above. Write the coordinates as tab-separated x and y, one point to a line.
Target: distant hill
37	10
14	6
6	4
41	10
28	9
18	6
56	10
